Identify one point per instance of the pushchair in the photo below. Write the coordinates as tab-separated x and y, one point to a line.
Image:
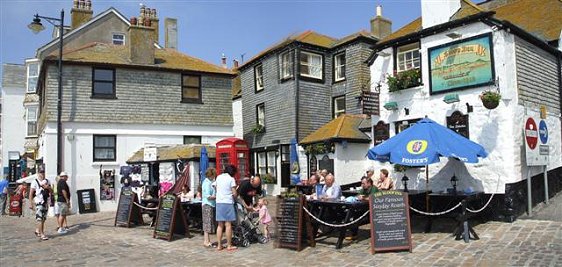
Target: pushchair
246	228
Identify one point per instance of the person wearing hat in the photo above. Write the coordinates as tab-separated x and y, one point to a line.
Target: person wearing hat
63	203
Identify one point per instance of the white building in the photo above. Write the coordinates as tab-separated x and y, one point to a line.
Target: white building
524	68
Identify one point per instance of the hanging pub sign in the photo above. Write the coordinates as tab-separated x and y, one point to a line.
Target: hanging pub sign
370	103
458	123
461	64
381	132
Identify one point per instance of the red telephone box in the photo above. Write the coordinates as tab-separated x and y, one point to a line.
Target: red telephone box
233	151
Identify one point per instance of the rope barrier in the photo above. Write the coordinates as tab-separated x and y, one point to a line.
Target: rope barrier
485	206
143	207
436	213
335	225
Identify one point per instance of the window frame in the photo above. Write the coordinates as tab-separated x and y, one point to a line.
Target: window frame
94	81
113	34
397	55
267	164
194	137
34	90
262	105
257	78
198	100
290	65
334	106
94	147
27	120
307	76
335	67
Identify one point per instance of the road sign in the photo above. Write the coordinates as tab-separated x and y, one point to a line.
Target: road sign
543	132
531	134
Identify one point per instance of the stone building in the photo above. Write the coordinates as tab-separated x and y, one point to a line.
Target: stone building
122	90
444	64
295	87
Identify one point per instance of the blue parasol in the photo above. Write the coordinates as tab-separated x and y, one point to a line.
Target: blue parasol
294	159
203	163
423	144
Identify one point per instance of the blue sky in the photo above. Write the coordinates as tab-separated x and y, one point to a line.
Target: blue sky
206	29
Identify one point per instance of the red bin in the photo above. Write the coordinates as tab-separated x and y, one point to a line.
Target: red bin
15	204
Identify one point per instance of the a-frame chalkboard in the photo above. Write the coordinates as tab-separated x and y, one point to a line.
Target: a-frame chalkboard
170	219
390	221
127	211
293	224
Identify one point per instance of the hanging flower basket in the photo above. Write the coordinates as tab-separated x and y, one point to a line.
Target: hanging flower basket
490	99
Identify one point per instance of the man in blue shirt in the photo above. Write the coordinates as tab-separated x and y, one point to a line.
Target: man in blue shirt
3	194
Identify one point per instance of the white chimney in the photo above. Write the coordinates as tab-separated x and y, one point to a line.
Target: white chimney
223	61
435	12
171	33
379	11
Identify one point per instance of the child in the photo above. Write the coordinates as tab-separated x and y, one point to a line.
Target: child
265	218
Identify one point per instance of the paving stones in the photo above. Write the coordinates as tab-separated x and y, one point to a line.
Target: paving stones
93	241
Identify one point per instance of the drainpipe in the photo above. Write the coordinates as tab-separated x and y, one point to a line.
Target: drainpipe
560	84
295	72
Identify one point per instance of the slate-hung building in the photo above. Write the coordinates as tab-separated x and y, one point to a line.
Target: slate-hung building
440	64
120	92
294	87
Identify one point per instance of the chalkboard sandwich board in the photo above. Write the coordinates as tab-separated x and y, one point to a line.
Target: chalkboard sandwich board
390	221
170	219
127	211
291	224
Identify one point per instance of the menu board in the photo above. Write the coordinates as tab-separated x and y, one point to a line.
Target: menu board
86	201
390	221
291	223
127	212
170	218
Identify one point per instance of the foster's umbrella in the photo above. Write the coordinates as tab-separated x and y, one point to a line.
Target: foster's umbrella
203	163
423	144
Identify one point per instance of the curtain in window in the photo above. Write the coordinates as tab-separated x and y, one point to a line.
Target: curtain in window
315	66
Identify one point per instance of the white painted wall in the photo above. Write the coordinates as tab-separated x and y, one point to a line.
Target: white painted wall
78	150
499	131
349	162
13	123
237	118
435	12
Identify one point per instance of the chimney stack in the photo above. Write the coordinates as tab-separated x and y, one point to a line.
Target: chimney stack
235	64
155	23
380	26
223	61
171	33
141	41
80	13
438	12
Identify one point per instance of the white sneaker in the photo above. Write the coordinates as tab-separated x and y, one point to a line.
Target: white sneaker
61	231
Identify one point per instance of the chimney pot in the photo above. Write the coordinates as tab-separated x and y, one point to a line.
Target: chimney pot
235	63
223	61
379	11
88	4
75	4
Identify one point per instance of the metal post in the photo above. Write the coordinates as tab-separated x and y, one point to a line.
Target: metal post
60	140
529	198
545	186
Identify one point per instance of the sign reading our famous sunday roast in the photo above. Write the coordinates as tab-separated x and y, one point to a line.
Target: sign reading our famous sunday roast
461	64
390	221
170	219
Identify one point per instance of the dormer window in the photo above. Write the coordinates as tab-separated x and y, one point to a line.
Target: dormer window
118	39
408	57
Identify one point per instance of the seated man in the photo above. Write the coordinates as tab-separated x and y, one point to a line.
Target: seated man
367	189
249	190
331	190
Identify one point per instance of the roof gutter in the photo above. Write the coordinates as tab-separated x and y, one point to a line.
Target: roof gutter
406	39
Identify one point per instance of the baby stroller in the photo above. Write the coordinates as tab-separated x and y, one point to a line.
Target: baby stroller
246	228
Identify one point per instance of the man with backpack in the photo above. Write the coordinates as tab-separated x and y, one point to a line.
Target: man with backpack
39	199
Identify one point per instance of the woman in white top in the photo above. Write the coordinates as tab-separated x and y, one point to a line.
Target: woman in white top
225	213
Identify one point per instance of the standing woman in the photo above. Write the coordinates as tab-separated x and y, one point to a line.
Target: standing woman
209	204
226	193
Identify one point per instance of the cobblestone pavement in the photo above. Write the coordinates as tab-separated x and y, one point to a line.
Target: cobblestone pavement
94	241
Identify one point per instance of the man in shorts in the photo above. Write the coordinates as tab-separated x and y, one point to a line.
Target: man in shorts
39	199
63	202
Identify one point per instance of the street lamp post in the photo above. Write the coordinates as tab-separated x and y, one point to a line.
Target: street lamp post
36	27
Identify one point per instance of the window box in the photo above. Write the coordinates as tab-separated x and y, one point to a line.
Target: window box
404	80
258	129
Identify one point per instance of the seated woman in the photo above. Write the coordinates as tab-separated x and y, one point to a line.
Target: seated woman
185	195
384	182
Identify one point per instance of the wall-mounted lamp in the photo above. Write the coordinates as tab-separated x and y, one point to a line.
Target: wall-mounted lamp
469	108
451	98
391	106
405	182
454	35
407	111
